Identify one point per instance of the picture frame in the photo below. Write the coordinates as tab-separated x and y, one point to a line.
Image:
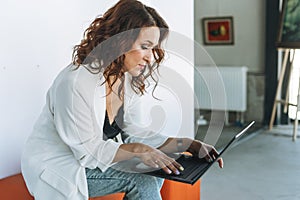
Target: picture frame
289	25
218	30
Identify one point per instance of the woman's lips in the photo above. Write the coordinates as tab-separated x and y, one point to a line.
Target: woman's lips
142	66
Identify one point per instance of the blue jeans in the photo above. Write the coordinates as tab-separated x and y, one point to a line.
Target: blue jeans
136	186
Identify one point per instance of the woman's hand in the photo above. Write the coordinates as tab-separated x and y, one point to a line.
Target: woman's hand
203	150
195	147
157	159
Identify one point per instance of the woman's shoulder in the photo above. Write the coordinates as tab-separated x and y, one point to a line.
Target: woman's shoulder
78	75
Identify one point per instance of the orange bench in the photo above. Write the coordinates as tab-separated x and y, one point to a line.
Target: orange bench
14	188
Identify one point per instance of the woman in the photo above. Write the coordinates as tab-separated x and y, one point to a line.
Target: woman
93	101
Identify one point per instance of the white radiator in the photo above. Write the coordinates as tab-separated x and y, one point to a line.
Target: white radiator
221	88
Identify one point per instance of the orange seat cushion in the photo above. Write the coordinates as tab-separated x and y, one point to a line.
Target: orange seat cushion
173	190
14	188
116	196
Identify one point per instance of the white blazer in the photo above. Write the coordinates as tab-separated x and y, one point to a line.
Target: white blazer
68	135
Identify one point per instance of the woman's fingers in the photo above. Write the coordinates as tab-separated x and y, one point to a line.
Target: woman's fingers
169	165
208	158
158	159
164	167
154	164
173	167
213	154
207	152
221	163
178	166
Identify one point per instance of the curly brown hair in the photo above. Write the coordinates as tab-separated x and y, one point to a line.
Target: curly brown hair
110	36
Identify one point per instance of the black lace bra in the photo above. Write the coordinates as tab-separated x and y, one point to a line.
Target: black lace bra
112	130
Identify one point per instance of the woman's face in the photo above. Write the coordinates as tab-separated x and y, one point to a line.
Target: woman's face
141	52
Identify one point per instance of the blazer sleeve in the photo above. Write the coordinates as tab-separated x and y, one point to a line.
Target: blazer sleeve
78	110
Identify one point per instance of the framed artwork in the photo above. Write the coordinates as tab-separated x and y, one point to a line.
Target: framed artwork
218	30
289	25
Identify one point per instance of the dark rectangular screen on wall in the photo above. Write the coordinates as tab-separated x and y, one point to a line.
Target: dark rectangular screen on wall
289	26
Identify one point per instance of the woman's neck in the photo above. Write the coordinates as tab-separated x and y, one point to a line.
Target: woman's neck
114	99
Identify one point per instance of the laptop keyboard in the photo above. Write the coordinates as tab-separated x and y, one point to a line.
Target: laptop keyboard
189	164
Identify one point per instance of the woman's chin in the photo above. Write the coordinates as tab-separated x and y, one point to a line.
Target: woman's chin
135	73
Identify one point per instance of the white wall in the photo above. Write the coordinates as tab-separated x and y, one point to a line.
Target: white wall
36	40
177	72
249	32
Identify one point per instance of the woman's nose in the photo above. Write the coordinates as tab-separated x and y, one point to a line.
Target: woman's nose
148	56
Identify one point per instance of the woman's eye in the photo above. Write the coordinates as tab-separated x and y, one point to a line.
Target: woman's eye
145	47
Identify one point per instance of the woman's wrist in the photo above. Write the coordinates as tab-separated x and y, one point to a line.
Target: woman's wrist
183	144
194	146
138	149
130	150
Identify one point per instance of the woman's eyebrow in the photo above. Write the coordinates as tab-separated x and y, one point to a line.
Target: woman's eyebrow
148	41
151	43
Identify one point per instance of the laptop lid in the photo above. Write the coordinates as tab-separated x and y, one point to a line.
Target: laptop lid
195	167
